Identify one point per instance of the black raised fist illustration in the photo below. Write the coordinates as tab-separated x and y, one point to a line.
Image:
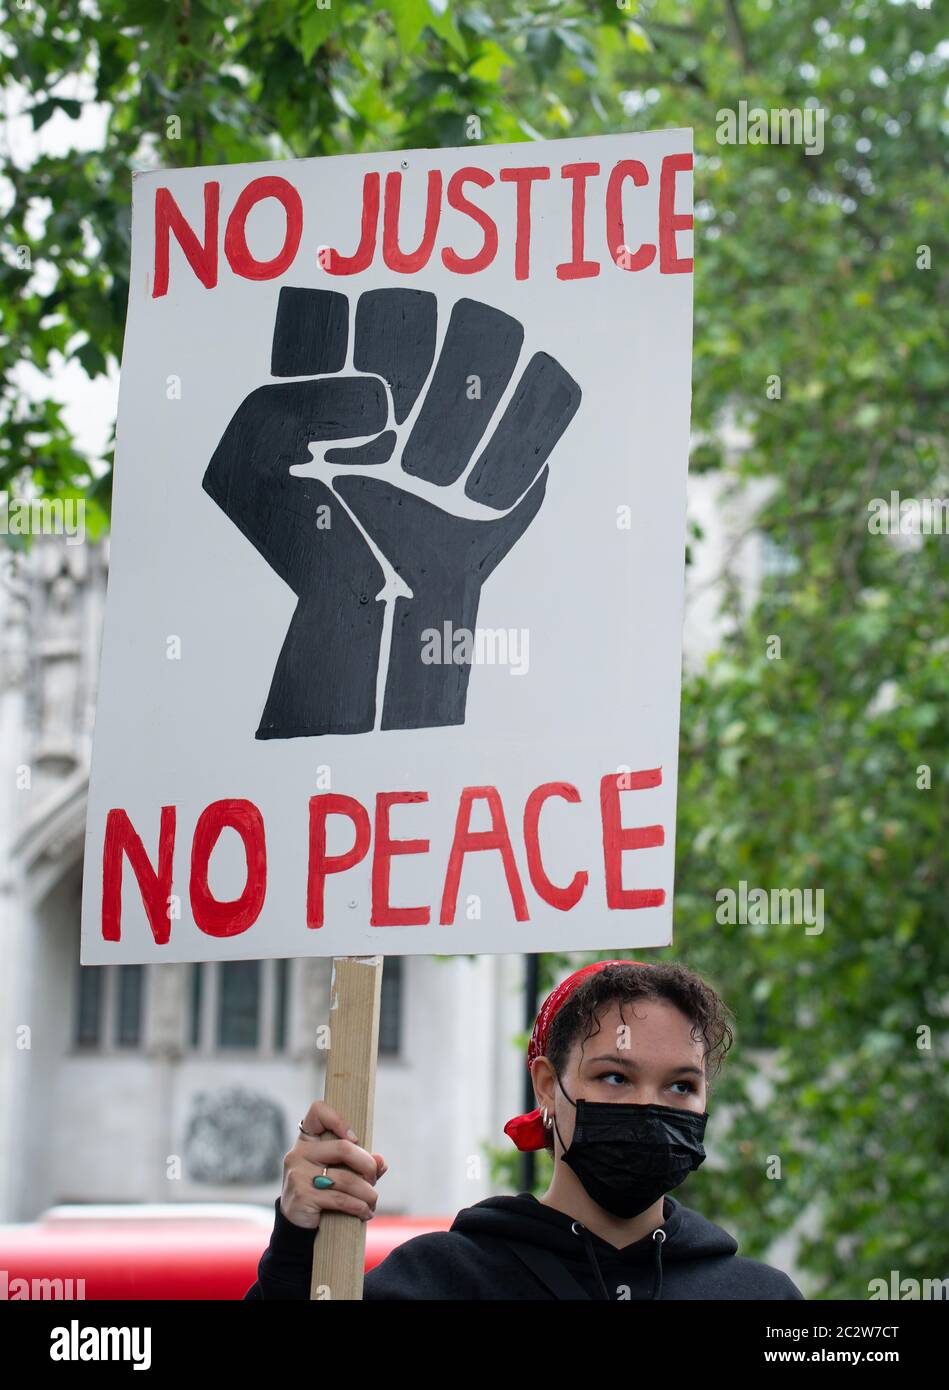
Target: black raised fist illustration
399	533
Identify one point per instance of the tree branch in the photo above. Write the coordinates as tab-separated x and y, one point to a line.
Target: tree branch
737	32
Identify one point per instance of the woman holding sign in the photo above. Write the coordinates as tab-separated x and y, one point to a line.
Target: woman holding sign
621	1057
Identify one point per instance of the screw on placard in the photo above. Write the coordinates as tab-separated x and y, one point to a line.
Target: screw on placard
354	903
405	164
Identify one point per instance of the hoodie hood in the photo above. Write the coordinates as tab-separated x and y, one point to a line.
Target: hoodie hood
683	1236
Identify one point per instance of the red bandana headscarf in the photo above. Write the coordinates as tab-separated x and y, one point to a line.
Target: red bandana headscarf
527	1131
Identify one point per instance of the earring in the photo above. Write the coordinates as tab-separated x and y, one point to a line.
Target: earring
547	1122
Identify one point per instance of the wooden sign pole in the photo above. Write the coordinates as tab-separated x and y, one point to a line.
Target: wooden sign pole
339	1249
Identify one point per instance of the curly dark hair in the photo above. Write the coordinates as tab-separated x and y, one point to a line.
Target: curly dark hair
578	1018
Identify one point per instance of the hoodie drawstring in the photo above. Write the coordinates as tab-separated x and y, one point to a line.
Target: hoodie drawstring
591	1256
658	1239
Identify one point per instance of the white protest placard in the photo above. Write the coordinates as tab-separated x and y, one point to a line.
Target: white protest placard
391	658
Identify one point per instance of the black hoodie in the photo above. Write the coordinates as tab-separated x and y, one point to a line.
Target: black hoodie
519	1248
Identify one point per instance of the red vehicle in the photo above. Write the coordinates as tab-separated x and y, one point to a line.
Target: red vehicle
176	1250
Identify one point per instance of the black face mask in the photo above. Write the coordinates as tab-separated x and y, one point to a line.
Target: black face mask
627	1156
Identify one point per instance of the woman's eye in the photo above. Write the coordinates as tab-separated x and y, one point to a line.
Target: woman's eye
689	1086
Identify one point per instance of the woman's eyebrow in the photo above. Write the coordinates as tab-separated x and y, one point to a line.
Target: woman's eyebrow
631	1062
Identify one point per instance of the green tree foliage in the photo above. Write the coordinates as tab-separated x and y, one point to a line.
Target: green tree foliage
803	771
